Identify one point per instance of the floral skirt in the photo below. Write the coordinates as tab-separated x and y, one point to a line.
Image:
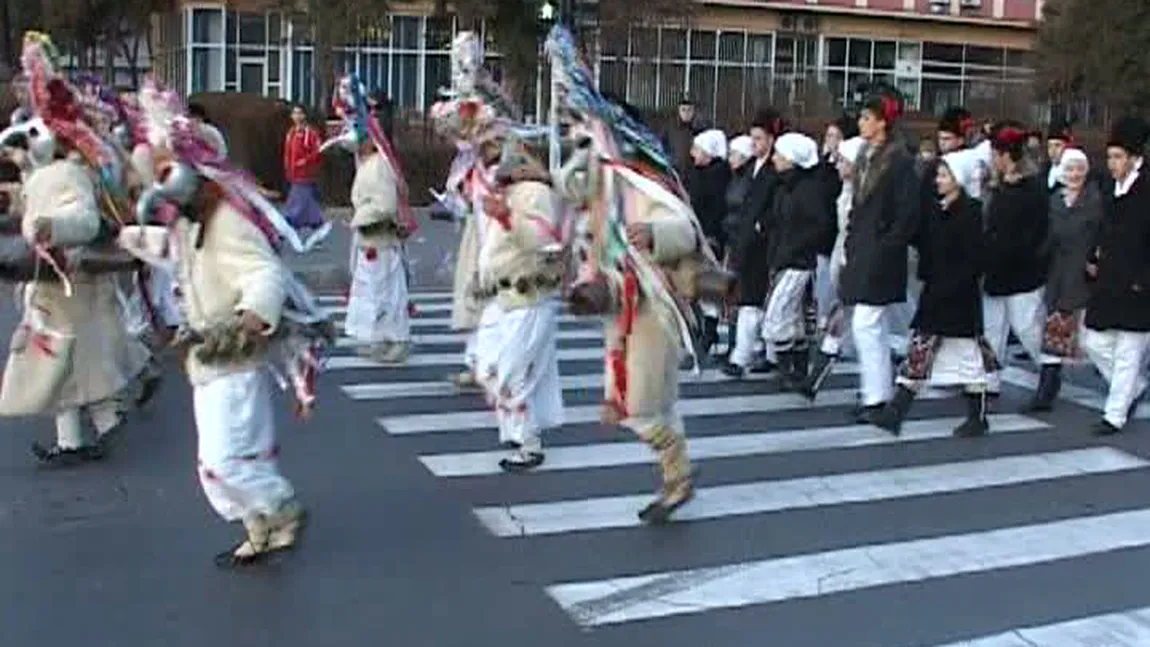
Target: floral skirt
947	361
1060	336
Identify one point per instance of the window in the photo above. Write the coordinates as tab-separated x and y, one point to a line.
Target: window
207	26
207	68
253	29
835	53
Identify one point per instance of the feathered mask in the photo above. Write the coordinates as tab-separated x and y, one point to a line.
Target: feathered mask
57	109
629	137
475	108
359	126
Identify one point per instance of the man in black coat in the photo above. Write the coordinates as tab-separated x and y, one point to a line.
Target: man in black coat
1118	313
749	251
883	221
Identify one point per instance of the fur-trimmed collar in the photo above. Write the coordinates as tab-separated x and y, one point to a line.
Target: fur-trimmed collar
873	167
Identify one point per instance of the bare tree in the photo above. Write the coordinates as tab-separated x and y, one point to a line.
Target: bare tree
332	24
1075	62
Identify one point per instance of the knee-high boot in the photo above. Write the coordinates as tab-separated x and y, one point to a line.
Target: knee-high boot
678	487
824	363
1049	385
892	415
975	423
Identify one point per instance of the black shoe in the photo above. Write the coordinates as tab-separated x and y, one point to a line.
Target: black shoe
893	414
521	462
710	335
55	456
762	366
1104	428
510	445
1049	384
975	424
819	373
734	371
659	512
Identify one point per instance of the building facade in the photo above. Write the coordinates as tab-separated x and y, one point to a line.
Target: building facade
735	54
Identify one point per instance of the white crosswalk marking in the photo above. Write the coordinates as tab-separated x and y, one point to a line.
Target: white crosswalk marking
1129	629
627	599
751	422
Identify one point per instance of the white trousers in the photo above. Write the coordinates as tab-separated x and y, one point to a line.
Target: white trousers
528	394
839	343
238	454
163	289
748	333
870	328
1119	356
488	340
470	350
784	322
377	303
105	416
825	292
1025	314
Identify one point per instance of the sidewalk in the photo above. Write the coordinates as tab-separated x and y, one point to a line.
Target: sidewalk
430	256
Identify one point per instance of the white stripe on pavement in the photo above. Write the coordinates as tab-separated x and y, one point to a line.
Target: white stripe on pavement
535	519
719	406
582	381
601	455
1124	629
429	322
345	362
461	337
1082	396
418	297
643	597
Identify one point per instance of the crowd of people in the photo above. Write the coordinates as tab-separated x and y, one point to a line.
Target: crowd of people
132	232
979	237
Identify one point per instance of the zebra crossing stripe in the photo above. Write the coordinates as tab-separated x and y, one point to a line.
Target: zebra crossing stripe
602	455
533	519
346	362
461	337
727	405
417	297
628	599
580	382
1125	629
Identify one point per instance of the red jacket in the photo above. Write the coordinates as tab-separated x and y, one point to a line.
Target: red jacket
301	154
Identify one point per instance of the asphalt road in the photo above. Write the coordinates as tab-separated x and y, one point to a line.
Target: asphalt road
807	531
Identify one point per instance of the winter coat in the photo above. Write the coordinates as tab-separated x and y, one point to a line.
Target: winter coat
737	190
1017	227
801	223
884	219
1073	232
1121	296
832	186
753	268
950	266
708	191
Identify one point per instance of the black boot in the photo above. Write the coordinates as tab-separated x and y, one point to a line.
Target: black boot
787	368
895	411
1049	384
710	335
799	367
975	424
819	373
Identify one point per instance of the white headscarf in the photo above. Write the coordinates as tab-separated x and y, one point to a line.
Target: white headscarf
743	145
798	148
1069	156
712	142
849	149
964	166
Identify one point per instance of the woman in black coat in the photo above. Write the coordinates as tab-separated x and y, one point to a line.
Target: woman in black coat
801	222
947	347
883	222
740	156
1118	312
708	192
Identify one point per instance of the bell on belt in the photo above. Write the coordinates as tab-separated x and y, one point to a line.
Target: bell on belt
591	297
715	285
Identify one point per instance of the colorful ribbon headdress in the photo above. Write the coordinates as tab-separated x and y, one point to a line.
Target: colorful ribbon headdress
632	139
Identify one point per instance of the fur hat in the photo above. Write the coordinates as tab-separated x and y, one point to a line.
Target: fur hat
770	120
1130	134
1008	137
956	121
